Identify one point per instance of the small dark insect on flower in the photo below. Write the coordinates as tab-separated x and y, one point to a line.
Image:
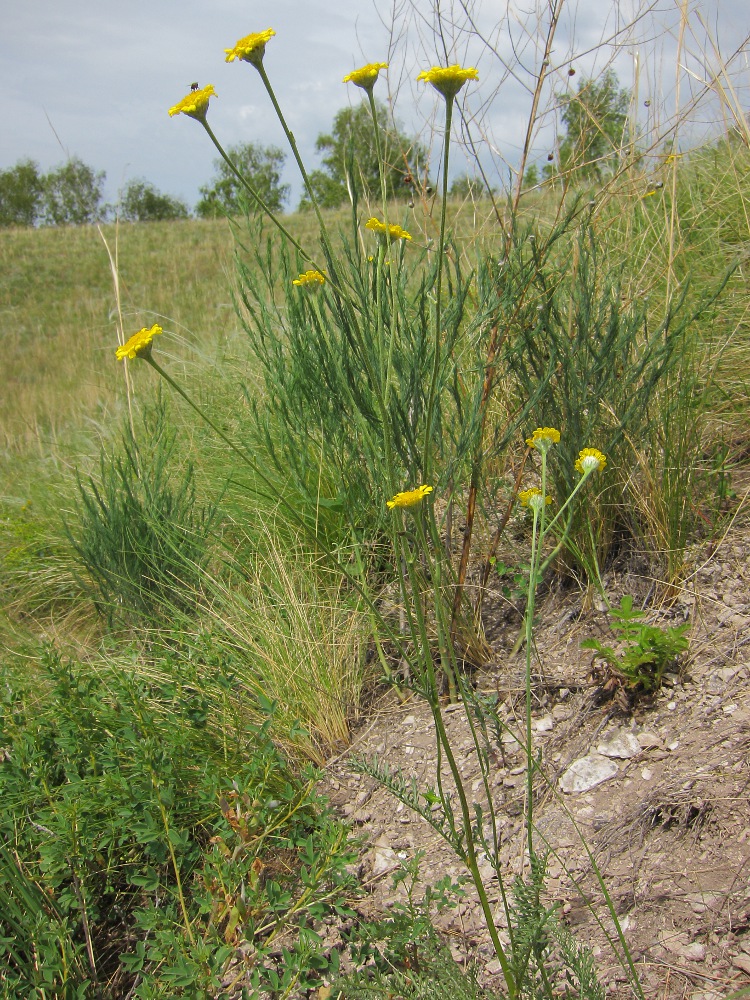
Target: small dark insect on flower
550	157
194	86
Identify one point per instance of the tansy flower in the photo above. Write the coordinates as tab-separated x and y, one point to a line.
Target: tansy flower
409	498
251	48
139	344
195	105
310	278
589	460
543	438
533	498
366	76
387	232
448	79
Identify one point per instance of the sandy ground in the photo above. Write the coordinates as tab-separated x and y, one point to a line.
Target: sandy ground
669	826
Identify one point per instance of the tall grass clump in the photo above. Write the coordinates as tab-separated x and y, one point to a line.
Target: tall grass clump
140	532
294	632
686	240
598	364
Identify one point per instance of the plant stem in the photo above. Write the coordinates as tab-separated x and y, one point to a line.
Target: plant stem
429	412
295	152
530	601
469	855
256	197
204	416
175	866
390	246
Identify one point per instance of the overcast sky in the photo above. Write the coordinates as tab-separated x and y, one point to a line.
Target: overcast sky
95	78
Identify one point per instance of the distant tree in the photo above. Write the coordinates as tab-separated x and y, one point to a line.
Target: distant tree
466	186
73	194
350	158
21	189
260	165
141	202
531	177
594	119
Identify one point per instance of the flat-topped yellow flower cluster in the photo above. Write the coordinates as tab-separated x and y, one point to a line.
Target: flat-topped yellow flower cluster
139	345
448	80
390	232
410	497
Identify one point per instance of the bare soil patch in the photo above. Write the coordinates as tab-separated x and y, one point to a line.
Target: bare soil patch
669	828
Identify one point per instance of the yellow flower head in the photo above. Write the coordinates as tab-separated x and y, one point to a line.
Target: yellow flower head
387	232
543	438
366	76
409	498
310	279
589	460
139	345
448	79
195	105
533	498
251	48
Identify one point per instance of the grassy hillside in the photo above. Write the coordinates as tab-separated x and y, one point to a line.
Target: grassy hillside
192	611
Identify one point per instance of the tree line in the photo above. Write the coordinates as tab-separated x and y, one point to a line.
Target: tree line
73	194
594	118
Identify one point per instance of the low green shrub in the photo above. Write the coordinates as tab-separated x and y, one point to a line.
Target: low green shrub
146	845
644	653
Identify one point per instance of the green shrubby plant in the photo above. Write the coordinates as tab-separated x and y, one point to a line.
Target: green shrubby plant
351	161
595	118
645	652
403	949
73	194
146	835
595	364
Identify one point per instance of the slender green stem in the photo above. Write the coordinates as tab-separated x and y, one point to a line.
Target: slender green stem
470	859
530	602
204	416
429	413
379	153
173	858
468	854
540	531
295	152
255	196
379	282
390	246
568	502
